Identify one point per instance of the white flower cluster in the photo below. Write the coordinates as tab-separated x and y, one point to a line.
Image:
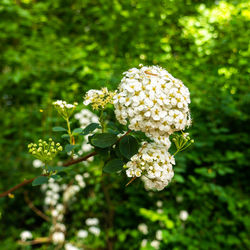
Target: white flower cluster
64	105
98	98
85	117
153	101
155	243
154	163
65	109
69	246
93	226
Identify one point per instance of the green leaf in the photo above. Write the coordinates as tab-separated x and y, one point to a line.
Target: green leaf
113	166
77	131
90	128
179	178
103	140
70	147
59	129
65	136
128	146
40	180
55	176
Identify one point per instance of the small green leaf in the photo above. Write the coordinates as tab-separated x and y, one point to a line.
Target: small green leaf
40	180
90	128
128	146
59	129
65	136
113	166
70	147
103	140
55	176
179	178
77	131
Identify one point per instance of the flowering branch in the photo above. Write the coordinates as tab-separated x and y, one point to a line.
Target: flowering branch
66	164
69	163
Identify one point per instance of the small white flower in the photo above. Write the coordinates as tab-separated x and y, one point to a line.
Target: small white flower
155	244
26	235
179	199
159	203
69	246
143	228
58	237
92	222
95	230
158	235
183	215
144	243
54	213
82	234
37	163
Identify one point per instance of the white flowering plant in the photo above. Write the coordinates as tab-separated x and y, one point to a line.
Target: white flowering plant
131	131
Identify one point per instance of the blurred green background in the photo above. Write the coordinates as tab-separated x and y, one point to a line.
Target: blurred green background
58	49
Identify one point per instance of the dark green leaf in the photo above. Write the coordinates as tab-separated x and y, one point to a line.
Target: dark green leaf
65	136
56	176
77	131
90	128
59	129
40	180
128	146
113	166
103	140
70	147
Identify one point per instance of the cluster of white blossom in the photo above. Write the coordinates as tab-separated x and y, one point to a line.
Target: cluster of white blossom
154	163
143	228
93	226
153	101
64	105
85	117
69	246
98	98
53	193
65	109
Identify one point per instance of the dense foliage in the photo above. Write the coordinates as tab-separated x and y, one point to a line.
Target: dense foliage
59	49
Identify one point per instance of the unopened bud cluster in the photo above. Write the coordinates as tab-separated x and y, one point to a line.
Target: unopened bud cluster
45	151
154	163
98	98
182	141
65	109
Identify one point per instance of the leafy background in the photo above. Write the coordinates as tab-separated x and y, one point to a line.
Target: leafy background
58	49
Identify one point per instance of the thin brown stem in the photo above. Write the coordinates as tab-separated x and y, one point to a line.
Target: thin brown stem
131	180
35	241
33	208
